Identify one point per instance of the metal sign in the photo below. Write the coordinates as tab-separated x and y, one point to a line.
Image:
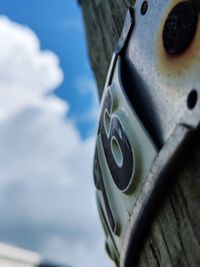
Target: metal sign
149	109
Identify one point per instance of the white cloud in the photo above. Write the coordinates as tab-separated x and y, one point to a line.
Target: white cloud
46	188
26	72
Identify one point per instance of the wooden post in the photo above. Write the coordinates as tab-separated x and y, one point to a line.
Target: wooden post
174	237
104	21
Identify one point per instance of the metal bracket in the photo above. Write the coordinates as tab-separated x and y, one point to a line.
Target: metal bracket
149	111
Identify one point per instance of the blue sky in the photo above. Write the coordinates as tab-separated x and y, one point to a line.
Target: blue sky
48	116
58	24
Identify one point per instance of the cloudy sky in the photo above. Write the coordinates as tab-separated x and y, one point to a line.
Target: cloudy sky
48	116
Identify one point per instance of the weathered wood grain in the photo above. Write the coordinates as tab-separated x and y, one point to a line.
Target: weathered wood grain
174	237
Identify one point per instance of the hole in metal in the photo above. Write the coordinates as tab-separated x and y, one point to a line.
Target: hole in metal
192	99
180	28
144	8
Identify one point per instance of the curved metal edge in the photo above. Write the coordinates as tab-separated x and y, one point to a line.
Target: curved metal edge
126	31
156	183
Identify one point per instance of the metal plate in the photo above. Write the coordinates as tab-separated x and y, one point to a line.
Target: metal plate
149	108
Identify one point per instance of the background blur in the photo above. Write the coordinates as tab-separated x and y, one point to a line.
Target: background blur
48	117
